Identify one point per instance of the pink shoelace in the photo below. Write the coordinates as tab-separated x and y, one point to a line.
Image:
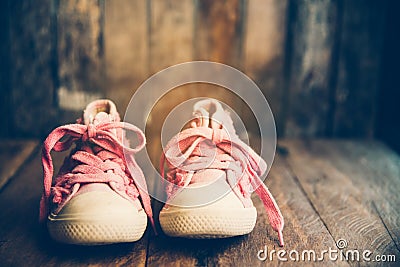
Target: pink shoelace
190	151
99	158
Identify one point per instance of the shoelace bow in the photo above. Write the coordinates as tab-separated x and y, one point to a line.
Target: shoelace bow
105	163
242	165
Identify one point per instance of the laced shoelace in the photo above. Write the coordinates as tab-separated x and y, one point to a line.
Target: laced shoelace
189	152
100	158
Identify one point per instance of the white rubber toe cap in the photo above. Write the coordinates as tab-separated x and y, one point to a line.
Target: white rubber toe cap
223	218
97	217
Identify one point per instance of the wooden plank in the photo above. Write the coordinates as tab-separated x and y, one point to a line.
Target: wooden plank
219	30
5	83
126	46
218	37
32	96
167	251
265	29
341	203
171	42
12	155
359	68
317	184
309	50
80	53
376	169
24	242
167	49
304	229
388	95
171	27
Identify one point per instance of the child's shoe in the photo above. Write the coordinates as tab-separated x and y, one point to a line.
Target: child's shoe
95	199
211	154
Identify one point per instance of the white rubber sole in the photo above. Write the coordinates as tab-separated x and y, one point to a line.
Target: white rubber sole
97	217
207	222
97	232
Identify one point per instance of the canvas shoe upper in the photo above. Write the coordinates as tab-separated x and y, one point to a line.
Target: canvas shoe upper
95	198
210	153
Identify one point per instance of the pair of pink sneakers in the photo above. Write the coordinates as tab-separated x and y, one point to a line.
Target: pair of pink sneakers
100	195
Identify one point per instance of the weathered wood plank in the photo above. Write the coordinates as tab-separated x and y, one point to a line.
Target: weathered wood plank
12	155
310	40
304	229
342	204
31	55
167	251
388	93
126	47
171	27
318	184
359	68
80	53
23	242
376	170
263	50
5	82
171	42
219	31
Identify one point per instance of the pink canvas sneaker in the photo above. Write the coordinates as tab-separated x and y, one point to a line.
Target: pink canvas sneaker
95	199
210	155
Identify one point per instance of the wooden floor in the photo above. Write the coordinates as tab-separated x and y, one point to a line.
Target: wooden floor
329	191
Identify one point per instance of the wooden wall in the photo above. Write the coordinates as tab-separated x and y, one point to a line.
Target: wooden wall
318	62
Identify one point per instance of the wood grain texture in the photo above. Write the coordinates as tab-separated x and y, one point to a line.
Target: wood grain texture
5	82
219	31
171	37
24	242
167	251
326	190
311	35
359	68
12	155
263	50
80	53
171	42
31	55
341	202
126	40
304	229
388	94
376	169
171	27
317	62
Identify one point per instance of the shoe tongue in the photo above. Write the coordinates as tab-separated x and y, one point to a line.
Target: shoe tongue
210	113
102	117
102	110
